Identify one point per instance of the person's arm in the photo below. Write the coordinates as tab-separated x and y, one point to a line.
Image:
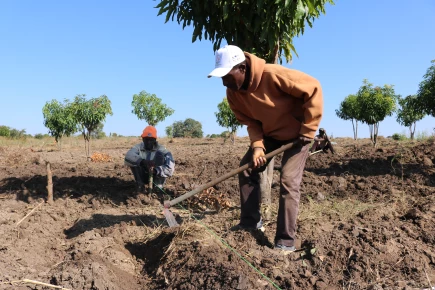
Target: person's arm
168	167
318	138
330	144
132	158
255	131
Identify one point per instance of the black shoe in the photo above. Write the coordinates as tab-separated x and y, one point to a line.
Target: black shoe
241	227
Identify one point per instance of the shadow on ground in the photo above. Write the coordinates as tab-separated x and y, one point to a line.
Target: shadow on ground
99	221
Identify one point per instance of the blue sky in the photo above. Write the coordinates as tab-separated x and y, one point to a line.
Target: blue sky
58	49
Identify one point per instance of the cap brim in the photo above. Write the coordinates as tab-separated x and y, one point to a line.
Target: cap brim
219	72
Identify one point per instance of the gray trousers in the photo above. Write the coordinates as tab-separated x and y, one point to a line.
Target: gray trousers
293	164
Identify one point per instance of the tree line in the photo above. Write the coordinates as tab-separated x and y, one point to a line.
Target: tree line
65	118
372	104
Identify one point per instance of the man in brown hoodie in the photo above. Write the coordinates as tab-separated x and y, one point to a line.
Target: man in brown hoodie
278	105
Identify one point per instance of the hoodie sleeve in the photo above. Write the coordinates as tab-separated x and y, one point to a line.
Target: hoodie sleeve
132	158
309	89
168	167
255	131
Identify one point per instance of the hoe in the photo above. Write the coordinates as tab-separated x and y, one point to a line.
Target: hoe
168	203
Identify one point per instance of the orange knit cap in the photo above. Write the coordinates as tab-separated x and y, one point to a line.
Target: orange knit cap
149	131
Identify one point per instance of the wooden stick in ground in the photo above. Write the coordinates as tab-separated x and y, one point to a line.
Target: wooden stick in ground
18	223
41	283
49	184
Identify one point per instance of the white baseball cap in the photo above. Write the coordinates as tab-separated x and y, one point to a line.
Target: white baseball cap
226	58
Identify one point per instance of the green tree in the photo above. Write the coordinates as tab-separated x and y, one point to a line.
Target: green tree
226	118
59	119
169	132
426	92
264	27
5	131
189	128
408	114
376	103
350	110
89	114
150	108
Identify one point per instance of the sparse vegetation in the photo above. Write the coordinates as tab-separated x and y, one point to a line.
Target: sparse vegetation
398	137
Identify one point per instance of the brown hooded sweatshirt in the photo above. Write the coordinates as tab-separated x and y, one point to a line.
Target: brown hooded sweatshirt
280	103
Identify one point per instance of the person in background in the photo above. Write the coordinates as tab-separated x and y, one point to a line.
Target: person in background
278	105
322	142
150	155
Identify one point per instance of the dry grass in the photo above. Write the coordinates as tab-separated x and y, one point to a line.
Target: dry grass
345	209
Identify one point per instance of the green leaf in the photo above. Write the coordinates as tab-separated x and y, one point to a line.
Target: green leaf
313	251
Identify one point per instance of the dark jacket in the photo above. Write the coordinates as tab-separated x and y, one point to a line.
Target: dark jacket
163	160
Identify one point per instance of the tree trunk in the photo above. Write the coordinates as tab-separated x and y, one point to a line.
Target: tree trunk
49	184
412	131
356	126
354	131
375	133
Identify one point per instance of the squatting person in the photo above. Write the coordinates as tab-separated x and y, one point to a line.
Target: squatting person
150	154
322	142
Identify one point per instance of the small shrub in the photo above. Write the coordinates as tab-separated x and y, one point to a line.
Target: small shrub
41	136
398	137
18	134
5	131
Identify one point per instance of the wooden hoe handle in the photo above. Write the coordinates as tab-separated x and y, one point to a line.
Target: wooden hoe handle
169	203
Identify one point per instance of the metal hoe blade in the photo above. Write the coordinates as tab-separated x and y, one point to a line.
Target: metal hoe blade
169	217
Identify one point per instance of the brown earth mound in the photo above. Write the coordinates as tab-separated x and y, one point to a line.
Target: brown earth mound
366	221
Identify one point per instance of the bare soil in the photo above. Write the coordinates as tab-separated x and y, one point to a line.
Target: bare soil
366	220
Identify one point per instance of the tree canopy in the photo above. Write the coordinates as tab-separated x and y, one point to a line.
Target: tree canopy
187	128
426	92
149	107
263	27
59	119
